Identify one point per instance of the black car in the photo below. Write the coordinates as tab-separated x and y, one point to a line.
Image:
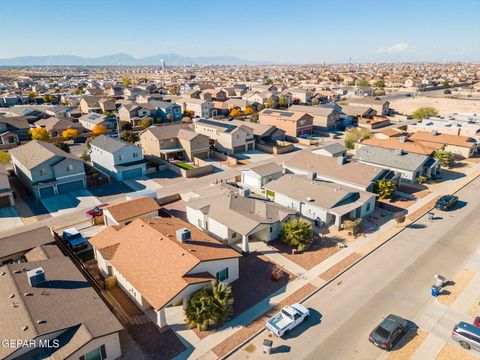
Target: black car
446	202
388	332
80	139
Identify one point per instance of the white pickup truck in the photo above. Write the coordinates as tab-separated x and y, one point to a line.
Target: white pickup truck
287	319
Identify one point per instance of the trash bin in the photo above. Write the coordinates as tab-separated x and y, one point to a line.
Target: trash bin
435	290
267	346
440	280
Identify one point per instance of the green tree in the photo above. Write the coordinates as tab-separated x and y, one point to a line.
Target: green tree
379	84
125	125
355	135
315	101
282	101
297	234
385	188
209	306
421	179
271	103
61	145
447	91
49	99
128	136
446	158
425	112
145	123
362	83
126	81
78	91
445	83
85	156
267	81
5	157
352	226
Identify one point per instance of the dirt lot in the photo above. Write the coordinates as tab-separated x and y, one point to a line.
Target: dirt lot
407	345
445	106
454	352
451	293
322	248
255	285
340	266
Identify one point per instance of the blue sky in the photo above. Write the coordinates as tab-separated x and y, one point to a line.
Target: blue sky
299	31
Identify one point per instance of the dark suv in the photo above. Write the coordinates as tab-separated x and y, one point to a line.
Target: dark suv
388	332
446	202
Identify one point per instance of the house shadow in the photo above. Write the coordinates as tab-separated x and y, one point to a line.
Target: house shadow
282	349
64	284
409	336
314	319
416	226
113	188
164	174
448	174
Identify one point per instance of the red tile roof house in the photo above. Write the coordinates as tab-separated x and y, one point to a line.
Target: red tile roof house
161	262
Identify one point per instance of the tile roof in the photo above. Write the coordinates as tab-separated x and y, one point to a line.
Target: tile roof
155	262
447	139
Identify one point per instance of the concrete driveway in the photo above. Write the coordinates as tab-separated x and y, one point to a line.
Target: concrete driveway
9	218
142	183
73	201
253	156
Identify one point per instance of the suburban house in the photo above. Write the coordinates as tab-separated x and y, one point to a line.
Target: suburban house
174	141
409	166
257	176
89	121
323	118
134	113
263	133
357	112
116	91
125	212
118	159
233	217
382	107
405	144
161	262
167	111
51	300
199	107
225	136
94	91
55	126
6	193
96	104
14	247
15	129
320	200
447	126
337	170
463	146
46	170
388	133
293	123
333	150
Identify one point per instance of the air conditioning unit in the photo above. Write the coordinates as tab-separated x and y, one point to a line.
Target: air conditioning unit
244	192
184	235
36	277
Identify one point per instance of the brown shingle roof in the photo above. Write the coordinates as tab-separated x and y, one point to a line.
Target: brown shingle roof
132	208
24	241
155	262
416	147
447	139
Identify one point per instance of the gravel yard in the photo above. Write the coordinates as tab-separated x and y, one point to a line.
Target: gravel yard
340	266
461	280
445	106
407	345
454	352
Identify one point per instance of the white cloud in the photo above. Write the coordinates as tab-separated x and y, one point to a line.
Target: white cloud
395	48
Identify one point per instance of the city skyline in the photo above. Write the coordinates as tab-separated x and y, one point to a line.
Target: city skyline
367	31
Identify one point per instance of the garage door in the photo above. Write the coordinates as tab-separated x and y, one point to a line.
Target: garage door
70	186
4	201
130	174
46	192
239	148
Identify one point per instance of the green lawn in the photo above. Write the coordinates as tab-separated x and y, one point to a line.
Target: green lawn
184	165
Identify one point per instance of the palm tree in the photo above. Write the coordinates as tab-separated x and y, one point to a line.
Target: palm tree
210	306
385	188
297	234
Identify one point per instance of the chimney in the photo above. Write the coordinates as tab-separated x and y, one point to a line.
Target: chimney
434	133
402	139
184	235
341	160
311	175
36	277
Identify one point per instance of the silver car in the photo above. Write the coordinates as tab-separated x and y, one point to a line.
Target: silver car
467	335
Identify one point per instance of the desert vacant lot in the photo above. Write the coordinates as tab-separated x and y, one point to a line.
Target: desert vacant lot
445	106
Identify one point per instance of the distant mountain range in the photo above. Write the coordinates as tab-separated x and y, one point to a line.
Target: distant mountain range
125	59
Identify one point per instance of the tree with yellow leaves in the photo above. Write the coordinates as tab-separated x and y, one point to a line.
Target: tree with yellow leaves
99	130
39	134
70	134
235	112
249	111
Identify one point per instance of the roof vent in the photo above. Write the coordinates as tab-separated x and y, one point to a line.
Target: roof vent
41	321
36	276
3	273
311	175
12	296
28	294
25	328
434	133
184	235
403	138
399	151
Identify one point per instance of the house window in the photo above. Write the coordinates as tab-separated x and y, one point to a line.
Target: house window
121	157
43	172
99	353
234	235
222	275
70	167
367	209
135	155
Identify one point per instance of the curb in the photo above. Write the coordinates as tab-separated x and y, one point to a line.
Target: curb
250	338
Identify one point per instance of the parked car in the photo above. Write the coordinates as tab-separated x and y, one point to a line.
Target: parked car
74	239
96	211
467	335
80	139
113	134
446	202
389	332
287	319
